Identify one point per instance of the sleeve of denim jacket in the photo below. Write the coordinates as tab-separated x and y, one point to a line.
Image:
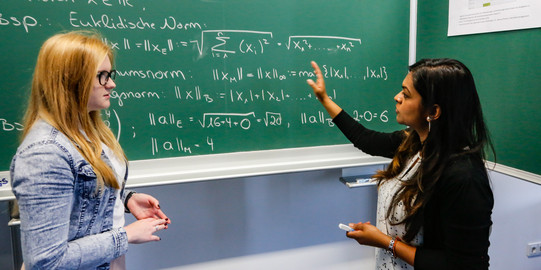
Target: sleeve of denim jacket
43	183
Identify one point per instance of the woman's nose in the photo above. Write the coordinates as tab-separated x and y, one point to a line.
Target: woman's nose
397	98
110	84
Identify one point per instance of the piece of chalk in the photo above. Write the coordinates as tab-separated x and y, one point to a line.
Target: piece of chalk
345	227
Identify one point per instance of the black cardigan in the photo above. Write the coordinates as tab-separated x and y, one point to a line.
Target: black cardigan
457	219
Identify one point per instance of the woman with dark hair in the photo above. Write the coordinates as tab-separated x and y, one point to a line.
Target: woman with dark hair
434	199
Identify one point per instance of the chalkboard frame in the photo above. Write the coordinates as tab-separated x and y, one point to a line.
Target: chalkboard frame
217	163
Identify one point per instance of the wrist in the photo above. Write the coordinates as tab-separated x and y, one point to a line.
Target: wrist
323	98
391	246
128	197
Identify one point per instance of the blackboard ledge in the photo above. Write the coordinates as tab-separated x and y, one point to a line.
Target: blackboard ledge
246	164
165	171
514	172
154	172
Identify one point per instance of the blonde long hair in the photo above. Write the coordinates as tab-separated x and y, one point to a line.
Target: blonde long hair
65	71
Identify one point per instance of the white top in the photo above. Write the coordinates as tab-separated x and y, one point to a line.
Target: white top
386	191
119	168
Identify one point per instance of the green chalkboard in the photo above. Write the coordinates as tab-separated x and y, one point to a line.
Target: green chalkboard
210	77
506	67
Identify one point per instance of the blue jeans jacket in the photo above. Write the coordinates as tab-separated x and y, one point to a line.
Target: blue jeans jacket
66	222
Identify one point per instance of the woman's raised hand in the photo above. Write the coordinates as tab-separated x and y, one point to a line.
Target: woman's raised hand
321	93
319	85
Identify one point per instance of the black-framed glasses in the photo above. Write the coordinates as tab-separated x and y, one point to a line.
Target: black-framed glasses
103	76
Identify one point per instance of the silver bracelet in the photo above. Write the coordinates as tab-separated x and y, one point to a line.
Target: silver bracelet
391	246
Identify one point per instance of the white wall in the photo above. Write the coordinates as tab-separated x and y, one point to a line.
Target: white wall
517	222
289	221
345	255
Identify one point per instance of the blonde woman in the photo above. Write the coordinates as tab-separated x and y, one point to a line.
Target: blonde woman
69	172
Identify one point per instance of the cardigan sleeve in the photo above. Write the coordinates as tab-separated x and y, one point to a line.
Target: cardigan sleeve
369	141
458	227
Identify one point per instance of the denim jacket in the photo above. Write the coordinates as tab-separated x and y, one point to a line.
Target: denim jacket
66	222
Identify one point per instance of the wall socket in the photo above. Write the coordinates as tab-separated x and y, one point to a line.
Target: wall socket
533	249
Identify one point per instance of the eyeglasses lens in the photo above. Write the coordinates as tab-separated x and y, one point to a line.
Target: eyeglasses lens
104	76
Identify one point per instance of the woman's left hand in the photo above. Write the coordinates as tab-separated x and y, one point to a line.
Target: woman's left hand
368	234
144	206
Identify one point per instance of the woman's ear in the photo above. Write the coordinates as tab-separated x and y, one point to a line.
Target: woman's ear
435	112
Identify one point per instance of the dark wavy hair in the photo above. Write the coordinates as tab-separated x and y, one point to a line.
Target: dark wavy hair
459	130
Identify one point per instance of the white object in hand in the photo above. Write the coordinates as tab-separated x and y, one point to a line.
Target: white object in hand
345	227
